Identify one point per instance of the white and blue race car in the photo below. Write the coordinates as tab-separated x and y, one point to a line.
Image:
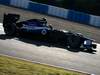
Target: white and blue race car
39	29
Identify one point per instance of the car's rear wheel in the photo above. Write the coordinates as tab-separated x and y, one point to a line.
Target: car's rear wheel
10	29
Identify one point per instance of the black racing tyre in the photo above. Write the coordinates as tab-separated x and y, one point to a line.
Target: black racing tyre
89	50
74	41
10	29
94	46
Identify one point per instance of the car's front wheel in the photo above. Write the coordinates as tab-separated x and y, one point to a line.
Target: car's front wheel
73	41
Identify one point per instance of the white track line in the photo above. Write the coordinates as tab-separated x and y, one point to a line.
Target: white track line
1	26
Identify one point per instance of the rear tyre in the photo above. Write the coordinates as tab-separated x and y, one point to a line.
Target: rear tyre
10	29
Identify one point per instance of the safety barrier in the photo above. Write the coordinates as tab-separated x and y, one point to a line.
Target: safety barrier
78	17
55	11
95	20
59	12
37	7
19	3
7	2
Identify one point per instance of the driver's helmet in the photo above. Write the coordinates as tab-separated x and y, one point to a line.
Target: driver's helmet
44	19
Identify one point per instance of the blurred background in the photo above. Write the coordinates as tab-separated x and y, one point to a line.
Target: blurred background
87	6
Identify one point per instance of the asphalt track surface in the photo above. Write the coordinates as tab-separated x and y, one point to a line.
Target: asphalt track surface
41	52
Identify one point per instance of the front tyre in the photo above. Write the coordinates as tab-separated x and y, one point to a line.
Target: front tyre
74	41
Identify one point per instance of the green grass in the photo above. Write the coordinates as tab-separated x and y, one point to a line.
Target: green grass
12	66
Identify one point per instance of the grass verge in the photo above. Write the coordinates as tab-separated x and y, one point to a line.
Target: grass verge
12	66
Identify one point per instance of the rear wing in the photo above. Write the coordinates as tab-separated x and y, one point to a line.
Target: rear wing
10	18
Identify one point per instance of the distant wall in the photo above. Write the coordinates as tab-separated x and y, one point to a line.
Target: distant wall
59	12
55	11
37	7
95	20
7	2
19	3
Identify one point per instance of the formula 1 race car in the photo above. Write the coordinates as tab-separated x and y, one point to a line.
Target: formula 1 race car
39	29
